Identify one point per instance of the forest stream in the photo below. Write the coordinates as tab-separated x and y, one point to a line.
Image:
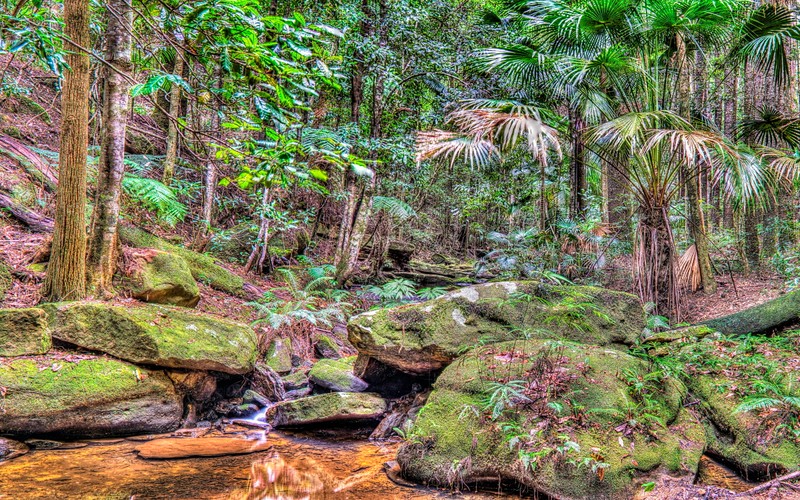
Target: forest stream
290	466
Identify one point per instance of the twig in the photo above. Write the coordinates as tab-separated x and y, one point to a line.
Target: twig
769	484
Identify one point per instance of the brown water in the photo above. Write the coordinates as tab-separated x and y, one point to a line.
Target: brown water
291	468
286	467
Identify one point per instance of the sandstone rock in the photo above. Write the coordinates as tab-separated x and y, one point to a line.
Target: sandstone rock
325	408
279	355
166	448
23	332
156	335
163	278
336	375
531	412
11	449
87	396
424	337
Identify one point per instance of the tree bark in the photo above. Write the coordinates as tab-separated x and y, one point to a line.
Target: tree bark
172	129
656	277
577	204
102	259
66	271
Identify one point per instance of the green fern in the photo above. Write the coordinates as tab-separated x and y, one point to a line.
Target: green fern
155	196
394	207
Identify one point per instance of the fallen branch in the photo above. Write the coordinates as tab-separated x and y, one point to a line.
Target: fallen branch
36	222
30	161
769	484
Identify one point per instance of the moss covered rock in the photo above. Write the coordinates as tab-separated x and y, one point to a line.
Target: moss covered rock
331	407
164	278
336	375
563	419
722	374
23	331
85	396
420	338
279	355
327	348
203	268
156	335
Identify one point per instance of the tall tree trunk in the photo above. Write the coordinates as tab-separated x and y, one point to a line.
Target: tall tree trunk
577	204
103	241
210	172
66	272
696	219
172	129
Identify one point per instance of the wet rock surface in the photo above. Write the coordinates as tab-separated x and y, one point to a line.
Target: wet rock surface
327	408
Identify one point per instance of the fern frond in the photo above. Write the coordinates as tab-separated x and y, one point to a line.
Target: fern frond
393	206
155	196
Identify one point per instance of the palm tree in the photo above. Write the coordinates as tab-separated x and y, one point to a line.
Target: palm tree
618	64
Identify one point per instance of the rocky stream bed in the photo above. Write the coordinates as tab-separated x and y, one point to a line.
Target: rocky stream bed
153	401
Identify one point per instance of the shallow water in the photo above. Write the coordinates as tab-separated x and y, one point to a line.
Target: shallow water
291	468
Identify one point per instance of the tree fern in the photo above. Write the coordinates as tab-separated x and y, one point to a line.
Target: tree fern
155	196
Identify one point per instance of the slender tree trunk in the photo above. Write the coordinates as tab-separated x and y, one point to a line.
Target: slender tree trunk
210	172
696	219
66	272
102	260
172	129
577	205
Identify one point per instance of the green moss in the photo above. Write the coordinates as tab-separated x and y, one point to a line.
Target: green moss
57	393
23	332
455	438
279	355
760	318
419	338
331	407
157	335
336	375
203	267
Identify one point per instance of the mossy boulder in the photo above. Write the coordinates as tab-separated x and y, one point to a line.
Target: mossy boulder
722	374
279	355
336	375
156	335
563	419
424	337
85	396
203	268
765	317
325	408
327	348
23	331
163	278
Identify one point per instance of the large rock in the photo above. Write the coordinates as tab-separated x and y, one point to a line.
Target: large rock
85	396
336	375
722	375
163	278
563	419
11	449
203	268
156	335
279	355
23	331
420	338
331	407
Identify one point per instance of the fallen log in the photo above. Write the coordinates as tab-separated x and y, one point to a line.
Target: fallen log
30	161
762	318
36	222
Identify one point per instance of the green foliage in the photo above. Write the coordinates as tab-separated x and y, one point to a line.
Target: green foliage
315	302
155	196
400	291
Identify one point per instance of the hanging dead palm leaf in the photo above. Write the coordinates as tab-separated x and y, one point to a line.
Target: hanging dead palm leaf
689	277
